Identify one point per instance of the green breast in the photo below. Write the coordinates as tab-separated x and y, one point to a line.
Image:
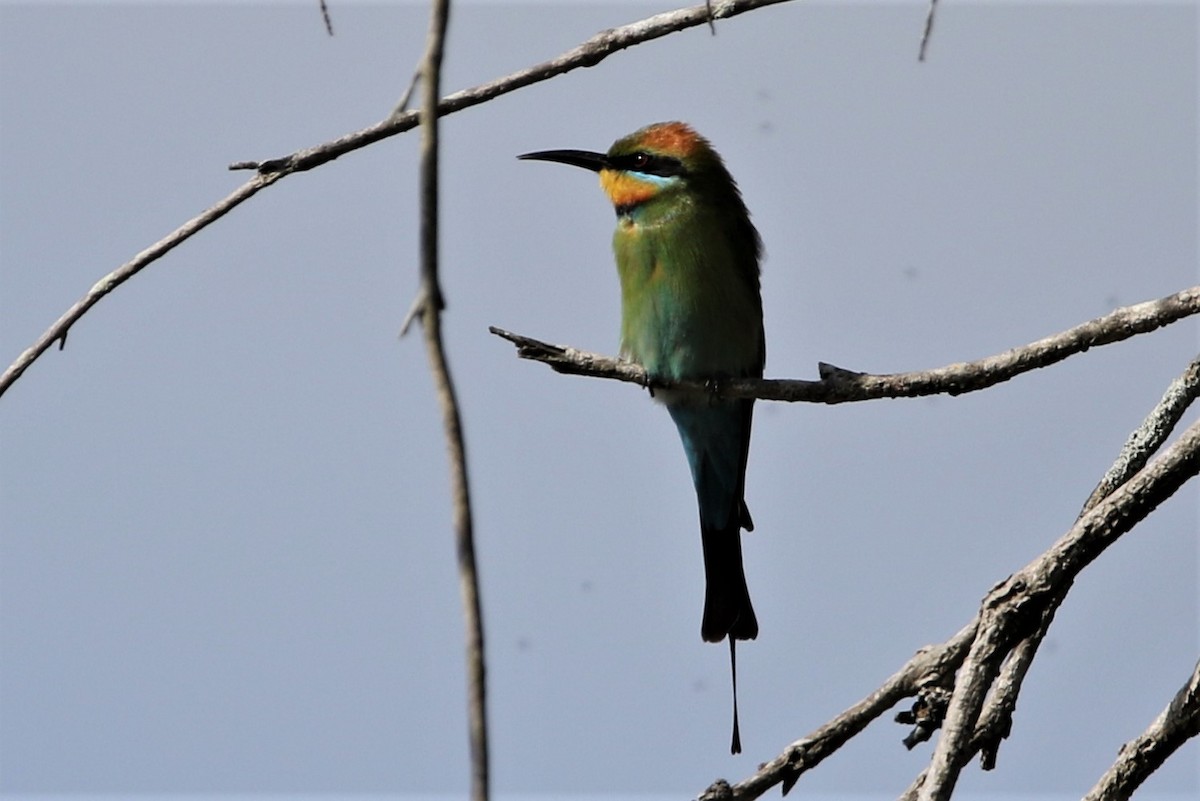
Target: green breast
690	301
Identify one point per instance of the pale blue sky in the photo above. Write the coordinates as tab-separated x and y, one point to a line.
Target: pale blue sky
225	555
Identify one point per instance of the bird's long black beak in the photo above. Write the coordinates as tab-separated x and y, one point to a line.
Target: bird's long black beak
576	158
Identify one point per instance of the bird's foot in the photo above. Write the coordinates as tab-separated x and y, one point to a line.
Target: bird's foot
715	387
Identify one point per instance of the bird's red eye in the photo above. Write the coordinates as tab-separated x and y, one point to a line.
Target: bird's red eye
640	159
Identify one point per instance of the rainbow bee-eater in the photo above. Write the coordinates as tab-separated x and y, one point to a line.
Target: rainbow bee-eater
691	309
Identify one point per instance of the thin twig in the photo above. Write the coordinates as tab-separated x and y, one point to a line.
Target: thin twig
587	54
838	385
415	310
58	331
431	325
325	16
406	98
927	34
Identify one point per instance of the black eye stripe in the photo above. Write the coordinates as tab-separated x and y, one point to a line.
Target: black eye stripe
648	163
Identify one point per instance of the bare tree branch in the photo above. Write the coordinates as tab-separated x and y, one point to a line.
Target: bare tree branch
995	721
58	331
430	314
1178	723
990	655
929	665
587	54
838	385
1012	619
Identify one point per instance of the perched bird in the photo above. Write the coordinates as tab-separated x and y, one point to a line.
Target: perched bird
688	261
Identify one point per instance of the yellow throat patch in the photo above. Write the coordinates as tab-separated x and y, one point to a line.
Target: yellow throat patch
625	190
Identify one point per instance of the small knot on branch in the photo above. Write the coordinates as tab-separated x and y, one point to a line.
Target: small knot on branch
717	791
831	372
267	167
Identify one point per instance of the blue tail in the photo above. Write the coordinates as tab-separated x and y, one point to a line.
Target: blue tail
716	439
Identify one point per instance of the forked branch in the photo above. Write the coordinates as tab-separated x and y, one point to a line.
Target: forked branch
978	672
